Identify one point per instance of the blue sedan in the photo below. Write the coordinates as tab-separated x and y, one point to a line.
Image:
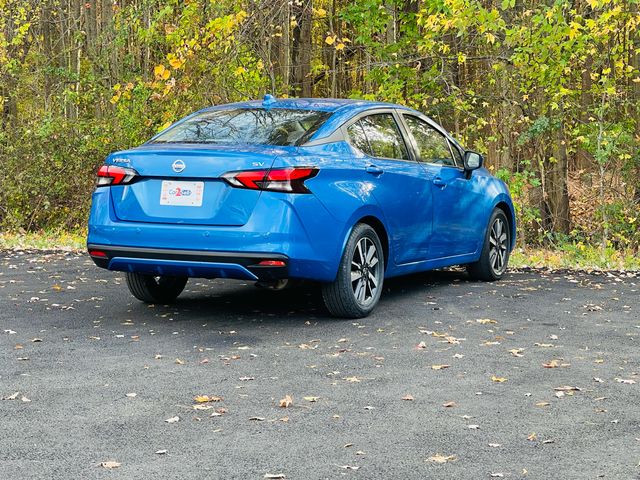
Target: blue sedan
345	193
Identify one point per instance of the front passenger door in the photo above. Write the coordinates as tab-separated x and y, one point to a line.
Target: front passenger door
456	199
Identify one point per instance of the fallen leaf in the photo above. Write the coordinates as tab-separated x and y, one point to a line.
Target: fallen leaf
532	437
349	467
206	398
13	396
543	345
439	367
200	406
542	404
179	361
256	419
286	402
352	379
567	388
473	427
495	445
498	379
516	352
110	464
496	475
438	458
161	452
173	419
131	395
408	398
274	475
485	321
25	399
625	381
449	404
311	399
246	379
421	346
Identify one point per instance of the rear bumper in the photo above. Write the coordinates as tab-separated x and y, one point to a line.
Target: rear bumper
190	263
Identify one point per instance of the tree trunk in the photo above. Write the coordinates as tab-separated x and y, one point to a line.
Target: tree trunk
301	51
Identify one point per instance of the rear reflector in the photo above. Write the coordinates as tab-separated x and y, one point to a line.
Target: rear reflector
289	179
97	253
272	263
112	175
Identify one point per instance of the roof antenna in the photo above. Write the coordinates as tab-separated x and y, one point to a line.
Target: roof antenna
268	100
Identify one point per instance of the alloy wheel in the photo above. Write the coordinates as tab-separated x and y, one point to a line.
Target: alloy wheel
366	271
498	246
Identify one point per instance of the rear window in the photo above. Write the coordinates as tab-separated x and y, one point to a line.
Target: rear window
274	126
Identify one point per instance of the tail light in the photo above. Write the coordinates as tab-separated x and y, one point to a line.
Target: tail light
289	179
112	175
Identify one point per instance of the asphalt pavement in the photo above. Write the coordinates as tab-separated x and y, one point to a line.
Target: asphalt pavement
533	377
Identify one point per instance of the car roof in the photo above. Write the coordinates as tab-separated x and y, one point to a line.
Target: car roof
319	104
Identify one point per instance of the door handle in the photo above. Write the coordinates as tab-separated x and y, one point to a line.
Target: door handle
438	182
374	170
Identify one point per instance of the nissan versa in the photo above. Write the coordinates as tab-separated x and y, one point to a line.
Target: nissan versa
341	192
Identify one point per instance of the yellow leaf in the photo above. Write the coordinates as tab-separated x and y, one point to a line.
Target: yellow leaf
176	63
330	40
498	379
340	46
159	70
320	12
206	398
164	127
491	38
239	71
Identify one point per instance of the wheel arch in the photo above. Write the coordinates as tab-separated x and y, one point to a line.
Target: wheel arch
381	231
506	206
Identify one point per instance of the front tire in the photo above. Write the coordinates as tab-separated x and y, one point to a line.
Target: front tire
155	289
357	288
495	250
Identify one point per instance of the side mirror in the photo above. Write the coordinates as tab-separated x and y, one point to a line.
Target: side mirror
472	160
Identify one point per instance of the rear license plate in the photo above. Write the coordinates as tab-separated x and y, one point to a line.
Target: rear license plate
185	194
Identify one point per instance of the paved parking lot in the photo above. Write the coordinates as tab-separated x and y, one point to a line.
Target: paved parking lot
533	377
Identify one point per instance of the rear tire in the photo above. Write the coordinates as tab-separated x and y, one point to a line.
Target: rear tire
356	290
155	289
495	250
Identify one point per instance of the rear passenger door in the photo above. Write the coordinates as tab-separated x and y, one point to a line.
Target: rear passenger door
401	186
456	199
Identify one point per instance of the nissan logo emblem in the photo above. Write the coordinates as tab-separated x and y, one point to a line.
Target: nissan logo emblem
178	166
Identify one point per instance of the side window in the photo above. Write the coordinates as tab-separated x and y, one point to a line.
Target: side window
433	147
378	135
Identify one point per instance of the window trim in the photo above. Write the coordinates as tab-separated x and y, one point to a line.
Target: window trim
450	140
401	130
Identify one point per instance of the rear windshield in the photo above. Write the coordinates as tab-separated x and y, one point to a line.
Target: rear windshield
276	126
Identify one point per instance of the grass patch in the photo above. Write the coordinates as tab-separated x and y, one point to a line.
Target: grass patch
577	257
46	240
